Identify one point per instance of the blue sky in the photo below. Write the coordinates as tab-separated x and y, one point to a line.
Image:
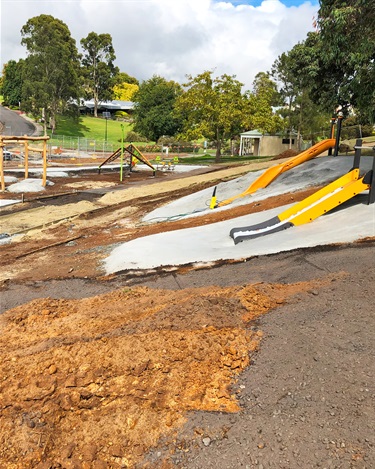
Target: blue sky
174	38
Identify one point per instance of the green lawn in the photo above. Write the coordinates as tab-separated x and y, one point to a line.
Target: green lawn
92	128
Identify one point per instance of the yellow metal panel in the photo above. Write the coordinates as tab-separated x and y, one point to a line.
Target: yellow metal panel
350	190
304	212
313	198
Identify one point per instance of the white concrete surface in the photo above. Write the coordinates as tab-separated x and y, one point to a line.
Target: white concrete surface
5	202
312	173
210	243
28	185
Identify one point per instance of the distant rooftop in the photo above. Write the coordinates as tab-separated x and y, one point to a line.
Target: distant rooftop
115	105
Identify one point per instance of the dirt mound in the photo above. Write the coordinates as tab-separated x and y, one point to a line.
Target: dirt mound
96	382
286	154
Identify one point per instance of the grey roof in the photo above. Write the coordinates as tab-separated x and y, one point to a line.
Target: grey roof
257	134
115	105
252	133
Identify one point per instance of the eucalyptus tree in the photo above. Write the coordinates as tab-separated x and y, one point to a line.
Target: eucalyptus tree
51	73
98	67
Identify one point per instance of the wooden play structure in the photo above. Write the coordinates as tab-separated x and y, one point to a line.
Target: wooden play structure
129	152
25	140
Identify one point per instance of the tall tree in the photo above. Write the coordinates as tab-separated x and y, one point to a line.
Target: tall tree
211	108
295	71
12	82
263	98
347	36
51	72
98	67
153	108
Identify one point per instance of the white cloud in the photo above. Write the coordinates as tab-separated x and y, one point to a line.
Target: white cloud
172	38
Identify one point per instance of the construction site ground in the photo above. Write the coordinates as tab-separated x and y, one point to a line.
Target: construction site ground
266	362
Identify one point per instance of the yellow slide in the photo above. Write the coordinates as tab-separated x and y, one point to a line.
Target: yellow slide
317	204
273	172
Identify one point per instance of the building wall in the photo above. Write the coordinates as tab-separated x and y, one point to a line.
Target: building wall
272	146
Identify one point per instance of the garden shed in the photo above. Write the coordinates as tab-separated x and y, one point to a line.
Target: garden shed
257	143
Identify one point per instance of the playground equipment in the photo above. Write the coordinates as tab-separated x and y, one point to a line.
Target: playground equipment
131	151
319	203
25	140
166	164
273	172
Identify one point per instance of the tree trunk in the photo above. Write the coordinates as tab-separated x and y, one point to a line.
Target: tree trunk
44	121
52	123
95	108
299	128
218	146
96	101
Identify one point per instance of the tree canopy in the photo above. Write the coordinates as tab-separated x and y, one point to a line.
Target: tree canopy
211	108
295	72
264	97
98	67
12	81
347	58
153	108
125	86
51	71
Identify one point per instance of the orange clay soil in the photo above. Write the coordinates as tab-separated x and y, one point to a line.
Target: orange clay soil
97	382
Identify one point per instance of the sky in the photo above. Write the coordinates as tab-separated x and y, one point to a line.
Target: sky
174	38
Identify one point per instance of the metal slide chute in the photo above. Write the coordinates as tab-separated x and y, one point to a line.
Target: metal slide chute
273	172
317	204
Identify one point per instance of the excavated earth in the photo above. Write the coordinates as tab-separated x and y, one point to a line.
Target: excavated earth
266	362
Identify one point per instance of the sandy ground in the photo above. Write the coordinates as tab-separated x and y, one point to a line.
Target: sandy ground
267	363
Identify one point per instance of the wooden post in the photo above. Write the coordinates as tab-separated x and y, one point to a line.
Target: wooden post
44	183
26	160
2	167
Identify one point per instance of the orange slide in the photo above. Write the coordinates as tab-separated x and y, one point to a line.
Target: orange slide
273	172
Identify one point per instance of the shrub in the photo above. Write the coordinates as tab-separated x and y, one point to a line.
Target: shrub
132	136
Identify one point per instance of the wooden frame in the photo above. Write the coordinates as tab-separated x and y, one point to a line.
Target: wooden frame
4	140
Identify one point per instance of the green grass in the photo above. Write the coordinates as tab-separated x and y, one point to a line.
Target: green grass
92	128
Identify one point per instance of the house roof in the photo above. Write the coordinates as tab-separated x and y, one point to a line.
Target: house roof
115	105
252	133
257	134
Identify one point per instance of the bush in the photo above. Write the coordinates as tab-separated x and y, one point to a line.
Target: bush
132	136
121	115
176	146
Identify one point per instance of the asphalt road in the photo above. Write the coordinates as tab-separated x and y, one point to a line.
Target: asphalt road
13	124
